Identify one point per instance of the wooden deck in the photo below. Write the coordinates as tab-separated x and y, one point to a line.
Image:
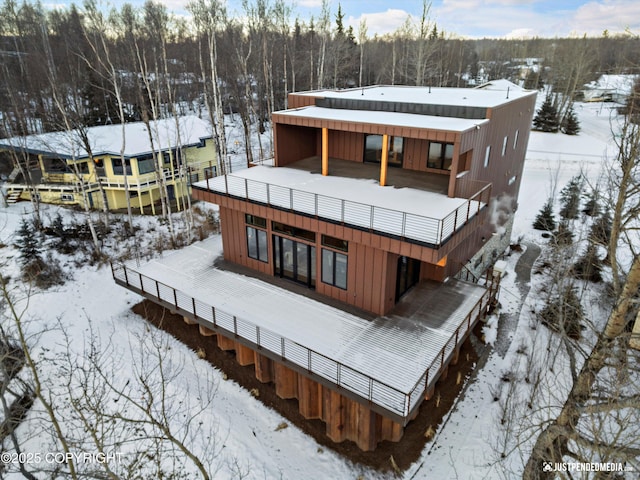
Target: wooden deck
389	363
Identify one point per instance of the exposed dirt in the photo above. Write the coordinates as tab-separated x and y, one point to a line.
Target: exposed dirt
404	453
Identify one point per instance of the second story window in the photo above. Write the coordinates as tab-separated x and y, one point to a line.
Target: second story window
293	231
116	163
334	264
440	155
145	165
487	154
373	150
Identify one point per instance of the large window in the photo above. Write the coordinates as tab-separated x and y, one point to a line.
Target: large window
294	260
334	268
116	163
257	244
440	155
373	149
146	164
487	156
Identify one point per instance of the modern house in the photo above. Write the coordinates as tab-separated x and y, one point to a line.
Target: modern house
99	164
351	270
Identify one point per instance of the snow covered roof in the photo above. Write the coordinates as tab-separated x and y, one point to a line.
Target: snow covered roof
467	97
394	119
107	139
618	83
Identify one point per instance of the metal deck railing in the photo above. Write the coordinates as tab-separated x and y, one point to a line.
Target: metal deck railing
396	403
407	226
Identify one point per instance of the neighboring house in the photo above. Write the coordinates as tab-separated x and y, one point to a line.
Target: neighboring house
63	171
610	88
356	266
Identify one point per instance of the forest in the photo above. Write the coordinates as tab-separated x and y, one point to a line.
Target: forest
84	66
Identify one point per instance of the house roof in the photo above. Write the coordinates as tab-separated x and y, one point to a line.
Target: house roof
491	94
395	119
614	83
107	139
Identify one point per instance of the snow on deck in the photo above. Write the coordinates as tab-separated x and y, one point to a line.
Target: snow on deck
395	351
406	212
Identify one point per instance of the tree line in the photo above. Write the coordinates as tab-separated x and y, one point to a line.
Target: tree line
152	61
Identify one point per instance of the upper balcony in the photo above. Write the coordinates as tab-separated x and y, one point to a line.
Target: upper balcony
415	208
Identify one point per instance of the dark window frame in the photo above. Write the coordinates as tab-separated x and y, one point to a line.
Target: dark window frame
333	269
441	158
262	254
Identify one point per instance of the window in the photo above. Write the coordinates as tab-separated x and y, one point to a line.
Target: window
335	243
512	180
486	156
255	221
257	244
373	149
294	260
504	145
67	197
116	163
515	139
210	172
293	231
334	268
440	155
146	165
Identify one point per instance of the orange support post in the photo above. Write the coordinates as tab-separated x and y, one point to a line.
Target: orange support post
325	151
384	160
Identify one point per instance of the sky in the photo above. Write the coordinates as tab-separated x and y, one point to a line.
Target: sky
468	18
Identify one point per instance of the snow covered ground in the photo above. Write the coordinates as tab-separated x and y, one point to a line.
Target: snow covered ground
467	445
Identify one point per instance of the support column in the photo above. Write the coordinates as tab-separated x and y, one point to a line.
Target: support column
365	427
334	415
225	343
153	207
286	381
309	398
325	151
384	160
140	200
244	355
391	430
264	368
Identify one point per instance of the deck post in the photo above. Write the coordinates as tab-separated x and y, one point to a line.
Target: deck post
384	160
325	151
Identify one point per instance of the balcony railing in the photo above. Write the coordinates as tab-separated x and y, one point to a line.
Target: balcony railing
400	404
408	226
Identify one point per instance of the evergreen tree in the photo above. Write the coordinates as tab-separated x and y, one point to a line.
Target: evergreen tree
563	313
28	245
600	232
570	198
570	124
546	119
592	205
545	219
564	236
589	266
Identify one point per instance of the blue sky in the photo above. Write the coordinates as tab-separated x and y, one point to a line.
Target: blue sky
473	18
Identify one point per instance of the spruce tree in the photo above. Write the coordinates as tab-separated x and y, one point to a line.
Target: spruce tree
545	219
570	198
592	205
547	117
563	313
589	266
28	244
570	124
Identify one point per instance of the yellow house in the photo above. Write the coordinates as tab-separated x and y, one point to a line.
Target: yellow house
102	164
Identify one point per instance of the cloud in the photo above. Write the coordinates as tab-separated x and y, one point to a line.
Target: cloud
380	22
310	3
614	15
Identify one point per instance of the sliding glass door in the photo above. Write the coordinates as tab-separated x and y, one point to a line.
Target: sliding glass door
295	260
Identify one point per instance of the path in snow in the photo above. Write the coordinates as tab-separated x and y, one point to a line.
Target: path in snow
508	321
